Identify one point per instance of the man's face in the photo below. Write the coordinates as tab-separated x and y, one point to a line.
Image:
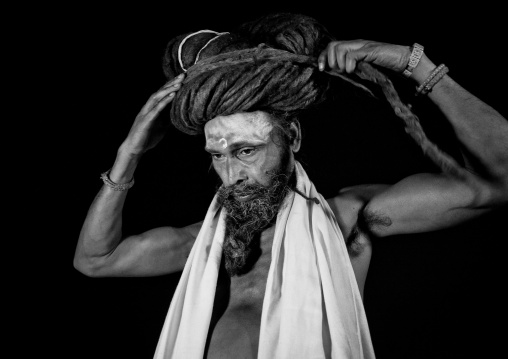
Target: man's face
254	173
242	148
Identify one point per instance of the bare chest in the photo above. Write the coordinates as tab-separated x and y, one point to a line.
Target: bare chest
236	318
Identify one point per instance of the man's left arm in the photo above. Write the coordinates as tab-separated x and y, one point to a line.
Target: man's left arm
426	202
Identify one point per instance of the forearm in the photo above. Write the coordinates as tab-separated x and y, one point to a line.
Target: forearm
481	130
102	228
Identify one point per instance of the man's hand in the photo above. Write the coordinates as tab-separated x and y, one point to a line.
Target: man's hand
147	130
343	56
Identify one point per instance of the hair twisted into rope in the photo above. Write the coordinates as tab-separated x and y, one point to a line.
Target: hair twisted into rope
412	124
270	64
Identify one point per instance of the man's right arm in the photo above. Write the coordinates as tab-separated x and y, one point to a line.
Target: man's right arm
101	251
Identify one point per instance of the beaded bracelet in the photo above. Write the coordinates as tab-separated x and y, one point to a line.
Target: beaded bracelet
414	59
429	78
115	186
436	75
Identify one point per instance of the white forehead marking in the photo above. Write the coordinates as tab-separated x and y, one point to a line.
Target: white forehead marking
238	127
222	142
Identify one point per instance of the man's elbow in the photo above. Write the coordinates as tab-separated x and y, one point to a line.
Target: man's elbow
491	195
87	266
500	197
503	191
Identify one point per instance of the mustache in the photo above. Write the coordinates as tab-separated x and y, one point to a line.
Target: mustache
248	189
245	190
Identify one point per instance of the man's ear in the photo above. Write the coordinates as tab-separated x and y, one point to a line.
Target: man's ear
296	136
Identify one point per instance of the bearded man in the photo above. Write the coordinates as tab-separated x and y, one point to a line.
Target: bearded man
275	270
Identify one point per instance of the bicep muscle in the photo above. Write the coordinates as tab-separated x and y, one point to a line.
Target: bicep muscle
422	203
158	251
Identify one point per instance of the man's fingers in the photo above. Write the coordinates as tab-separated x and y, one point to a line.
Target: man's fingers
336	55
152	109
322	60
168	89
170	86
352	58
177	80
340	54
346	56
163	103
331	56
159	96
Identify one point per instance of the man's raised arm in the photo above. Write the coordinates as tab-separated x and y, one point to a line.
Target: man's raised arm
101	250
427	202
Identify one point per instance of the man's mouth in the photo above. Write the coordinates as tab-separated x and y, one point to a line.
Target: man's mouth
243	197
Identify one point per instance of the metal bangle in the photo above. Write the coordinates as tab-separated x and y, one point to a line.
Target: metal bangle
414	59
436	75
435	80
116	186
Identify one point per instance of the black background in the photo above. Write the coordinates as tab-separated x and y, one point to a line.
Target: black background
435	295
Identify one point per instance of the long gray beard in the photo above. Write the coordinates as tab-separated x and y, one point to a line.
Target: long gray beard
246	220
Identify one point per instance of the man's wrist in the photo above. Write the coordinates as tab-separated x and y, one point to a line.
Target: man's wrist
414	59
125	164
423	70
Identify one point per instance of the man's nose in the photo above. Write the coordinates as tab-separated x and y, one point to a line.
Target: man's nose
235	173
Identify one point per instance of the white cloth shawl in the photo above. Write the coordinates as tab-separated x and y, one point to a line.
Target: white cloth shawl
312	306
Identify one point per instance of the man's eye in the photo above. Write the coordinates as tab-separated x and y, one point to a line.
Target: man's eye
217	156
246	152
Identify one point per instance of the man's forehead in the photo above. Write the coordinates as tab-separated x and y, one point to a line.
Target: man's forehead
224	130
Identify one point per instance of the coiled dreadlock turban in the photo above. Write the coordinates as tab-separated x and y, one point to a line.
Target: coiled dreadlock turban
269	64
246	71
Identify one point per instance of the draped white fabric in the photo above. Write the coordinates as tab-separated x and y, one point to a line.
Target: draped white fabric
312	306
